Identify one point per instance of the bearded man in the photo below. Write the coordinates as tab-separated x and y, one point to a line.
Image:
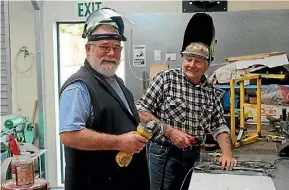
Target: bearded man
98	117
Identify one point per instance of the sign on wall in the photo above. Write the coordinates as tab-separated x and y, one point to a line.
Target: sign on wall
85	8
139	55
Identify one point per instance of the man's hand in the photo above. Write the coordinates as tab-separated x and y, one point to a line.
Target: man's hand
227	162
131	142
179	138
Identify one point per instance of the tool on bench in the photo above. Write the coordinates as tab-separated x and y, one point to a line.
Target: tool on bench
210	167
275	138
147	131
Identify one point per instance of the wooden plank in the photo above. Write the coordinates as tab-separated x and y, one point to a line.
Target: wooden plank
156	68
252	57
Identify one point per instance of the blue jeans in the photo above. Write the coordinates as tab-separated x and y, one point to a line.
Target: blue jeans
168	166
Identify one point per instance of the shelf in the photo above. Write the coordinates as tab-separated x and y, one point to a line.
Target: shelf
246	86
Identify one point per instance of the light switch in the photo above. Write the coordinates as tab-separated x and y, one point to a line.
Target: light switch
157	55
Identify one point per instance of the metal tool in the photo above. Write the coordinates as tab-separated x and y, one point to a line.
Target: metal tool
210	167
147	131
22	129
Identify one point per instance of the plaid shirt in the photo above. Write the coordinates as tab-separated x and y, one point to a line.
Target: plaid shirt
173	99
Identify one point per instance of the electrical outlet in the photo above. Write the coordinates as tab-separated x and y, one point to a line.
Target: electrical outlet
172	56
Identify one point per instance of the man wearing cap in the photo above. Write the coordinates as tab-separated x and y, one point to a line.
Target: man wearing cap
185	104
98	116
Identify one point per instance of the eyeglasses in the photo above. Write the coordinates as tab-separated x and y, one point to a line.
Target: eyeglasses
107	49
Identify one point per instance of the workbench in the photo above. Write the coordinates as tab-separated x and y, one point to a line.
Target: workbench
259	151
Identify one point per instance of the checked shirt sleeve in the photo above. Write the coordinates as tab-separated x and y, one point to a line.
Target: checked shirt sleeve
219	124
153	96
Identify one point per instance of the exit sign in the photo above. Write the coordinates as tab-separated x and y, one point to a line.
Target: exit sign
84	9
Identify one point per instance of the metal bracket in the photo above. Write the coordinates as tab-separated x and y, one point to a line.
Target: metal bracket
36	4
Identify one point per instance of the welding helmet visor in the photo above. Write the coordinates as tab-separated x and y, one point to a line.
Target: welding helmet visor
106	16
200	29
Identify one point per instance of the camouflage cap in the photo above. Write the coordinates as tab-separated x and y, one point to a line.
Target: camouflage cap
197	49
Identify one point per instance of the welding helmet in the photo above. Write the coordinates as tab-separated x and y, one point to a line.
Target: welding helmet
105	16
200	29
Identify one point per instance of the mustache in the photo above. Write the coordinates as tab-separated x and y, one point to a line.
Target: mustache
109	60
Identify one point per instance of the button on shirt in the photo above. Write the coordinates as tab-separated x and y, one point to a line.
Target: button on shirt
173	99
75	107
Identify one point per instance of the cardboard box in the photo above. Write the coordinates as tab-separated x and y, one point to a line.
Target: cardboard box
253	100
272	110
156	68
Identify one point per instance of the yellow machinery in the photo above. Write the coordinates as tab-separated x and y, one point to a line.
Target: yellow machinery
243	138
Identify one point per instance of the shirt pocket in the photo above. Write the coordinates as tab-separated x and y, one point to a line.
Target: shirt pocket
207	114
176	110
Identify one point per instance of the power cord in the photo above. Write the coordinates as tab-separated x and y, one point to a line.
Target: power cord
271	166
191	170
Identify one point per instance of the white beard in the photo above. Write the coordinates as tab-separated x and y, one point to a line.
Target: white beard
108	70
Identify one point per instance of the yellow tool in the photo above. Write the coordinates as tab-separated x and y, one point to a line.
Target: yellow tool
215	154
124	159
275	138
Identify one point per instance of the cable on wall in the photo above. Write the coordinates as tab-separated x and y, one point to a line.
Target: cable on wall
27	71
167	61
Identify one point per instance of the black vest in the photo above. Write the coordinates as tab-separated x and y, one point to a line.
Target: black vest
98	170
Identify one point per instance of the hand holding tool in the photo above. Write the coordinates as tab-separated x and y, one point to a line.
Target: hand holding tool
147	131
195	140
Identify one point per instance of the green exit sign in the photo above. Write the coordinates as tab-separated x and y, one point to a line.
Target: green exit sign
84	9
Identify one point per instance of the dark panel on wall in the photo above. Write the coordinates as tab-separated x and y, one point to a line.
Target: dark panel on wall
204	6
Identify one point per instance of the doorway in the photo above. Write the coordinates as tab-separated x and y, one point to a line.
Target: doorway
70	57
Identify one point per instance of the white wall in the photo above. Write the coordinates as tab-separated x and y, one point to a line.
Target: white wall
234	5
22	27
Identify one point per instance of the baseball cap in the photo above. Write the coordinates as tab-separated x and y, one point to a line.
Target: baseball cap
197	49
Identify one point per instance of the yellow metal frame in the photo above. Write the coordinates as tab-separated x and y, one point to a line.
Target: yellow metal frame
250	137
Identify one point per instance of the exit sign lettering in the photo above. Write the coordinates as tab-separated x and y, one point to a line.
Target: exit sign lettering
84	9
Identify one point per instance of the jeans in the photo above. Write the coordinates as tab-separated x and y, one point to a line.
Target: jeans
169	165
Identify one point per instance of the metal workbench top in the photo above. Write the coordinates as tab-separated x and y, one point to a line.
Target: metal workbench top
280	175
